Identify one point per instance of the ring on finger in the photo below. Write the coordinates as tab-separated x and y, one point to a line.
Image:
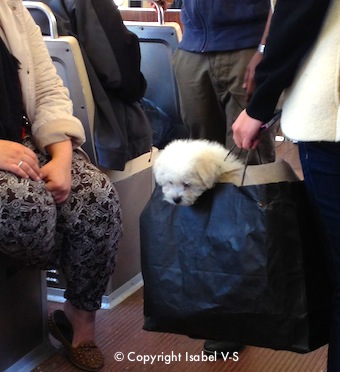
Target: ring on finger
20	163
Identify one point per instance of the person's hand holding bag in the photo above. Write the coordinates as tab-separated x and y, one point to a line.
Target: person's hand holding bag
246	131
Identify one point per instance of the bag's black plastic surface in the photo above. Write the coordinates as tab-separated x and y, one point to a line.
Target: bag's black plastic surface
243	264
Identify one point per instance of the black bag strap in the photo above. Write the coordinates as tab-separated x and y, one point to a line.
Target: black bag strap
246	161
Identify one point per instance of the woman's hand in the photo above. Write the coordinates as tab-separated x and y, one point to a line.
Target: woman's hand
57	172
246	131
19	159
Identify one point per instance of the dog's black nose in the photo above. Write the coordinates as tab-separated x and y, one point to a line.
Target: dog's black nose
177	200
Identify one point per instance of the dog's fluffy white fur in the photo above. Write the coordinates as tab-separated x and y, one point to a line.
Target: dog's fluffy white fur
186	168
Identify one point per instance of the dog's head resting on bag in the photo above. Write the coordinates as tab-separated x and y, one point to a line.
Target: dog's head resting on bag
186	168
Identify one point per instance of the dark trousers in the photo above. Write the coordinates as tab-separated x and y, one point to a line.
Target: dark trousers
321	166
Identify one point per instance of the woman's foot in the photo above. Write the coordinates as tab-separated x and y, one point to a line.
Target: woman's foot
77	338
83	324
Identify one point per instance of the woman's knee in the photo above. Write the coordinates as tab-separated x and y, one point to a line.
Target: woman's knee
28	219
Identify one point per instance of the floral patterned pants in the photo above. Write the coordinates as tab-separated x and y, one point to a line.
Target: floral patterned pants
79	236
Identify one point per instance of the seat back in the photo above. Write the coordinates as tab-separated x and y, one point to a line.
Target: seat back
157	44
169	32
68	60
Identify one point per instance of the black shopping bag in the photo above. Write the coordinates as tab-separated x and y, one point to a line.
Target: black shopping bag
243	264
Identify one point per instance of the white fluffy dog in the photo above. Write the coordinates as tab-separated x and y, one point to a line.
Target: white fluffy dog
186	168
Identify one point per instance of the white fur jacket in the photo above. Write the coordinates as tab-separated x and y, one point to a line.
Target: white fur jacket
45	98
311	109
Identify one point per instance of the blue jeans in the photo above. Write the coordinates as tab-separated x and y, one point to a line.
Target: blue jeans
321	167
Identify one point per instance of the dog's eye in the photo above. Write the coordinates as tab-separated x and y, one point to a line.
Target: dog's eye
186	184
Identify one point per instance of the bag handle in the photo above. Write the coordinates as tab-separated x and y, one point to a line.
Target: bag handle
246	161
276	116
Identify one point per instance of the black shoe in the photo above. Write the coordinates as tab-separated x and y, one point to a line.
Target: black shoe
218	347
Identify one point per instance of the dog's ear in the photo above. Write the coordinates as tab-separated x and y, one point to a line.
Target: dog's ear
207	171
157	170
158	173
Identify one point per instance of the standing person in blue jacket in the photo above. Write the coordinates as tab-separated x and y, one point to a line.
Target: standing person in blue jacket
214	65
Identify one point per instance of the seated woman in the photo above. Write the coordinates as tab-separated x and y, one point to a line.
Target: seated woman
57	209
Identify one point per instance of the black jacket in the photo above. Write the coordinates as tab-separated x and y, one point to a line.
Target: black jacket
112	58
294	29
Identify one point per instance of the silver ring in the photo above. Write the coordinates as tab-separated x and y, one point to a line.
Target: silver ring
20	163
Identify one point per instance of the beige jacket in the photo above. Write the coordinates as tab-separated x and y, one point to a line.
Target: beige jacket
311	109
45	98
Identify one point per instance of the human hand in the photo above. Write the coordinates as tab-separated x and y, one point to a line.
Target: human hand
57	172
57	177
246	131
249	77
19	159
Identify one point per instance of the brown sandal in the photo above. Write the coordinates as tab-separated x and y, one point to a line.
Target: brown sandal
86	356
